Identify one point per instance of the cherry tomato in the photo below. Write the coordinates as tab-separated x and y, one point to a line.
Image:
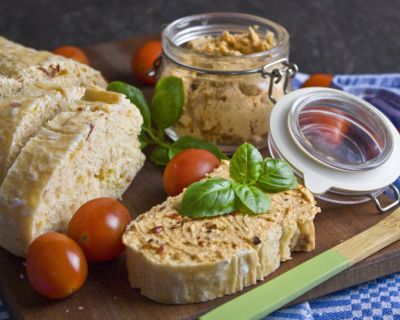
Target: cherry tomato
143	60
72	52
56	265
186	167
98	226
318	80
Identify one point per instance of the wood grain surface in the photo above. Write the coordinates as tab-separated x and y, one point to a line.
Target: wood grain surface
107	295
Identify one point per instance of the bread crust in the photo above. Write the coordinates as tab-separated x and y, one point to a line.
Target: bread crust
26	66
188	283
170	260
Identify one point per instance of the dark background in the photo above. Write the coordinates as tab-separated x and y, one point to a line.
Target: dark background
339	36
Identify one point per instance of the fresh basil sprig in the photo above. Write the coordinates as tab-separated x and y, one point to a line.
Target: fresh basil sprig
167	102
252	177
250	199
277	175
208	198
245	166
166	108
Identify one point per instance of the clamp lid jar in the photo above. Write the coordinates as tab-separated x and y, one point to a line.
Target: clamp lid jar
344	149
234	67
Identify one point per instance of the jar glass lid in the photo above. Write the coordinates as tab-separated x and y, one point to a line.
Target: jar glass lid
335	141
340	132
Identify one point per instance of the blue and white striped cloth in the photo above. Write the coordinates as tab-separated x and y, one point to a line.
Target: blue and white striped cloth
378	299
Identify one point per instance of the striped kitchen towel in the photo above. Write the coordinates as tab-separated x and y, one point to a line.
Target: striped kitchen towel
374	300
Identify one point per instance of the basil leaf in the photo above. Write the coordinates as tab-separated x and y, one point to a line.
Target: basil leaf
277	175
189	142
167	102
208	198
246	164
159	156
251	199
136	96
144	140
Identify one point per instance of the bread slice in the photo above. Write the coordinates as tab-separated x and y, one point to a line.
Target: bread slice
294	211
174	259
90	152
23	114
8	86
26	66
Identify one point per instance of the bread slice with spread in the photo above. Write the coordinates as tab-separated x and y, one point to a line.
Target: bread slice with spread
175	259
88	152
25	66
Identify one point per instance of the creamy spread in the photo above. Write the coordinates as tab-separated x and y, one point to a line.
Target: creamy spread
226	110
229	44
165	236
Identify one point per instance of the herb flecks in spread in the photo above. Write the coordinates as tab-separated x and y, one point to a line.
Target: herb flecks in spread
252	176
166	109
228	44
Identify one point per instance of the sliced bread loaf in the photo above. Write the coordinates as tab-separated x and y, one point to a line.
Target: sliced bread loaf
175	259
23	114
90	152
26	65
8	86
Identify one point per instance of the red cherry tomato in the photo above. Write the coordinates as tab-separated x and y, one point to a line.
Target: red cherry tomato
186	167
143	60
98	226
72	52
56	265
318	80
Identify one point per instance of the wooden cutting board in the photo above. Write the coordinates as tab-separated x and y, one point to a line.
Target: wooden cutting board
107	295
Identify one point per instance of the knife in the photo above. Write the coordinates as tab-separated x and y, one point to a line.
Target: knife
276	293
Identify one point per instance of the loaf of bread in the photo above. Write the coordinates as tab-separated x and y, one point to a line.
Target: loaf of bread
8	86
26	66
34	87
24	113
90	151
175	259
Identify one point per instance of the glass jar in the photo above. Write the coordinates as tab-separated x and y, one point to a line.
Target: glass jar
344	149
228	99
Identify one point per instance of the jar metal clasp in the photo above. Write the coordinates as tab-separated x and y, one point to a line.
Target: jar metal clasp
390	206
288	72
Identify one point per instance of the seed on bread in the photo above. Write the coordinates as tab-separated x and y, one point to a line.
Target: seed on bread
256	240
156	229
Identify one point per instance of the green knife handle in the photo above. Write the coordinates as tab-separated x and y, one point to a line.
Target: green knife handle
274	294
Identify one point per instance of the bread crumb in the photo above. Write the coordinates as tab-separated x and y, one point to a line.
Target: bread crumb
80	308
